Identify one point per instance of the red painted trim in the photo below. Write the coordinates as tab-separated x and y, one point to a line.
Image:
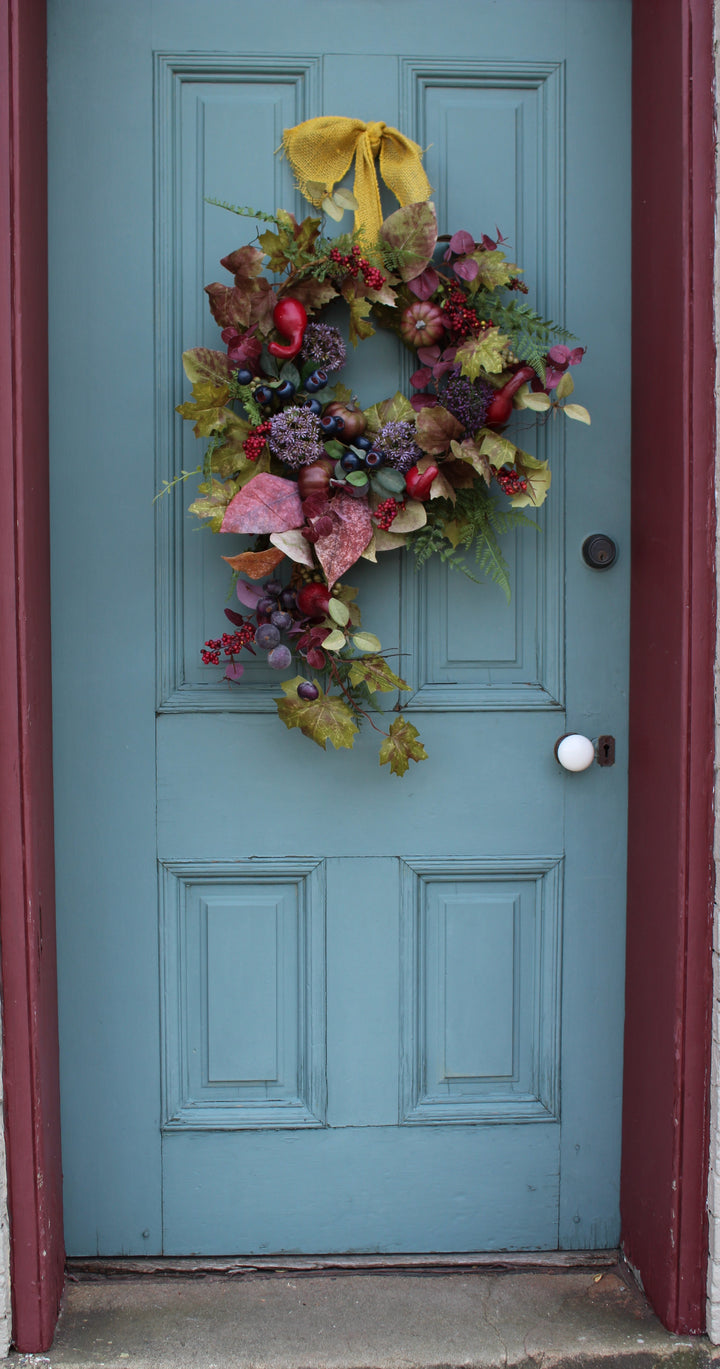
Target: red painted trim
670	884
27	928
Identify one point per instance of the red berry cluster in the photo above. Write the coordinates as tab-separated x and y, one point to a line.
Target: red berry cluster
510	482
386	512
230	642
255	440
459	319
354	263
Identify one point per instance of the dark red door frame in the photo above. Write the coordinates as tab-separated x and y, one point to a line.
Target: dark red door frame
27	928
670	886
665	1140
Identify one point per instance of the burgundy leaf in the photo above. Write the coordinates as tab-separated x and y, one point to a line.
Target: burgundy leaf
462	242
315	658
234	617
422	377
466	269
425	285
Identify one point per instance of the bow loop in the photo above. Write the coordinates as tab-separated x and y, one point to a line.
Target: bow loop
320	152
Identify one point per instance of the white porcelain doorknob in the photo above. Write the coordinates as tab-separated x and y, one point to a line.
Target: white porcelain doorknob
574	752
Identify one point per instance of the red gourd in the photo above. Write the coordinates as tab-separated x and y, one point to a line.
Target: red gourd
418	483
313	600
290	319
500	406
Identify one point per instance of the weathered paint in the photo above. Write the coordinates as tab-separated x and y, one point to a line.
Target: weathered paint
672	622
27	926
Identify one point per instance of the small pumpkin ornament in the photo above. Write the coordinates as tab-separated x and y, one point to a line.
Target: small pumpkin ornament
422	324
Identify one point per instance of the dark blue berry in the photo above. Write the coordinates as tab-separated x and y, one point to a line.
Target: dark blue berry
243	377
329	425
285	391
364	443
263	394
350	461
313	405
374	459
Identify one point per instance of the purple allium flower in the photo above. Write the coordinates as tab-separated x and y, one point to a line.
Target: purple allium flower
323	346
468	402
296	437
397	443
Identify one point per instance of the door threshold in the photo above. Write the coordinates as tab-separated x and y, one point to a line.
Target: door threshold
242	1266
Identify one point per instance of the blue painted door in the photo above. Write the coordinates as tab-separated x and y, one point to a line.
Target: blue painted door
305	1006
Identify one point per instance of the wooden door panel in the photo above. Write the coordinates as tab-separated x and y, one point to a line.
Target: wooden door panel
382	1011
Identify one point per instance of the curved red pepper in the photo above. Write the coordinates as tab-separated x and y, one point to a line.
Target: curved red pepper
418	483
500	406
290	319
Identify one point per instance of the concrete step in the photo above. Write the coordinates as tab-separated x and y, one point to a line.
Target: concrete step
300	1319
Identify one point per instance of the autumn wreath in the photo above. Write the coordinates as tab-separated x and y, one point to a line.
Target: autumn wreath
318	483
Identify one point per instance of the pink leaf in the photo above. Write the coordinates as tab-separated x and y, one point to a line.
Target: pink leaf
266	504
466	269
249	594
462	242
340	549
421	378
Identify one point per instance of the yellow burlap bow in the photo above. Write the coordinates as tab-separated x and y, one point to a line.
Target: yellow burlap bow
320	152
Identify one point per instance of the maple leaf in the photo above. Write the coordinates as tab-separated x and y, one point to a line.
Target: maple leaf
375	672
360	326
276	246
245	263
206	408
395	410
229	306
401	747
212	504
485	353
538	476
324	719
436	429
312	293
499	451
493	270
202	363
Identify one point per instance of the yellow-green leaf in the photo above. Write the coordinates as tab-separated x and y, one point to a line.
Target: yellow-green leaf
364	641
538	401
565	386
401	747
577	411
395	410
486	353
325	719
334	641
375	672
538	476
339	612
333	210
498	450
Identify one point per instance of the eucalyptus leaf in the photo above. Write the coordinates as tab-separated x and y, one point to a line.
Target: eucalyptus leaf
577	411
364	641
339	612
334	641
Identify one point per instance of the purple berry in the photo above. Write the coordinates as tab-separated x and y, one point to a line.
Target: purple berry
280	657
307	690
267	636
281	620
